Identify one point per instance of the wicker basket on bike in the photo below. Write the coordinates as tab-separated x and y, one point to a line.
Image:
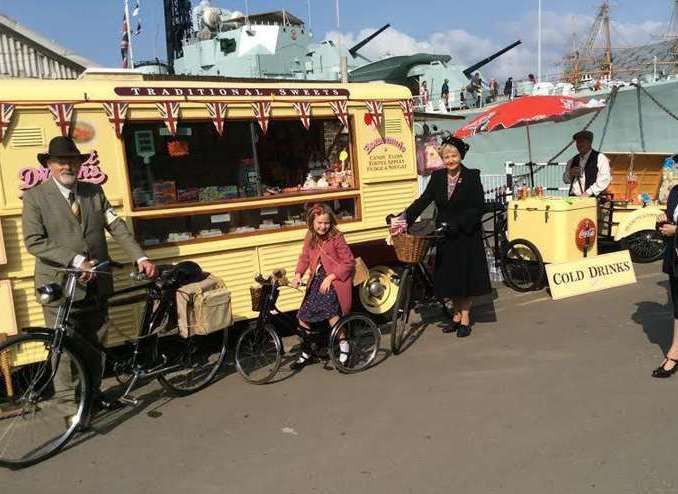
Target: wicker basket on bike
411	247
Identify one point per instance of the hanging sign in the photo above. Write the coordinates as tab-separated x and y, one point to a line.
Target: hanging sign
117	113
376	110
585	234
6	112
590	274
169	112
340	109
217	113
303	108
262	112
408	110
63	114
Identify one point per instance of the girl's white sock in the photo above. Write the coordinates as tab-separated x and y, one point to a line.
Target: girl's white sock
344	347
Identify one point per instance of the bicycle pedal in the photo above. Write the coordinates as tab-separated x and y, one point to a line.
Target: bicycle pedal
129	400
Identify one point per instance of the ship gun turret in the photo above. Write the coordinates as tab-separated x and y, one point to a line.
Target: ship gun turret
355	48
472	68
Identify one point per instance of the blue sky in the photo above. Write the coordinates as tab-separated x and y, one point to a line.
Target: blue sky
92	27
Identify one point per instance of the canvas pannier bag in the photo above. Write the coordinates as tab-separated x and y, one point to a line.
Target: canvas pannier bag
203	307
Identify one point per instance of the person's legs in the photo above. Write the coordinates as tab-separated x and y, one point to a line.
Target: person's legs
670	363
464	328
306	355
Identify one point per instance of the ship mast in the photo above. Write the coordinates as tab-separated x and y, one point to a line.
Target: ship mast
585	56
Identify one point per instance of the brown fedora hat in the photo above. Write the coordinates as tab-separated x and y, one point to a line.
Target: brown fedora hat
61	147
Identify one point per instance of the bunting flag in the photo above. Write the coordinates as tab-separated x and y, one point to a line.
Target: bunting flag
169	112
117	112
6	112
217	113
340	109
376	109
62	113
262	112
408	110
303	108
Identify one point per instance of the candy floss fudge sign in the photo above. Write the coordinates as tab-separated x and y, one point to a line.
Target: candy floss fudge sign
385	154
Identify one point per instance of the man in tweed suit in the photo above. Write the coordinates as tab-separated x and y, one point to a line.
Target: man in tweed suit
64	224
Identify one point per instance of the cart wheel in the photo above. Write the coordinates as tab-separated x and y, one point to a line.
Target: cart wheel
522	266
378	294
644	246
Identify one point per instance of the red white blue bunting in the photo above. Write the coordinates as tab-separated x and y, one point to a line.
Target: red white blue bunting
340	109
6	112
303	108
117	113
217	113
262	112
169	112
63	114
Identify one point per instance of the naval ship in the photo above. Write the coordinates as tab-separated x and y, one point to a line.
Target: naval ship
211	41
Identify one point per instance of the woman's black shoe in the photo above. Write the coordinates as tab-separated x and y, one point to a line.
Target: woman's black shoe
661	373
463	331
452	327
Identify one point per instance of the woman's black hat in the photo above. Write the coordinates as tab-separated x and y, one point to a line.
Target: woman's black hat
61	147
461	146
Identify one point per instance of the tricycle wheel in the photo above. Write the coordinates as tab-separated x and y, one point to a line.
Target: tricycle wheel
644	246
522	266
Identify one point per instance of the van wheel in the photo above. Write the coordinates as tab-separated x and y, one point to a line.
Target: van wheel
378	294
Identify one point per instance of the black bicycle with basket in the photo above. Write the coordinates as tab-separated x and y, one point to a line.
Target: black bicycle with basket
40	417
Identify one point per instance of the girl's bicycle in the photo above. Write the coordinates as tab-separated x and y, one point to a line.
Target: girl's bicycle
259	351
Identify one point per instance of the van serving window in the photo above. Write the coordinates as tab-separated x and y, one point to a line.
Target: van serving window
199	167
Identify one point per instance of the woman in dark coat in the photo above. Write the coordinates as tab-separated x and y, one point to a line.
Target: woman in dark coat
667	228
461	266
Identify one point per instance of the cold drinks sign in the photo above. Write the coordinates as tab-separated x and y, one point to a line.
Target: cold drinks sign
590	274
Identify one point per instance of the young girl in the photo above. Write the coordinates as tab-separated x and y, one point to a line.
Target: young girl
328	261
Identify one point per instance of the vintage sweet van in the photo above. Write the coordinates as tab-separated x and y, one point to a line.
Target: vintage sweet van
214	170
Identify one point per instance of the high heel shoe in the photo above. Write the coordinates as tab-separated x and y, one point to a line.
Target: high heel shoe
452	327
662	373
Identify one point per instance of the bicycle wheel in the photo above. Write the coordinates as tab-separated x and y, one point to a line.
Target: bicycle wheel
194	360
354	343
644	246
258	354
37	416
401	311
522	266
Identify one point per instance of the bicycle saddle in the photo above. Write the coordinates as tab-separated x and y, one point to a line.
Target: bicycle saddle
182	274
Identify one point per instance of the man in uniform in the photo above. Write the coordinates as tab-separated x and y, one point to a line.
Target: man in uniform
588	173
64	224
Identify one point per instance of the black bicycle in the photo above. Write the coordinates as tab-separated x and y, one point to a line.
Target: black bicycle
415	286
41	416
259	351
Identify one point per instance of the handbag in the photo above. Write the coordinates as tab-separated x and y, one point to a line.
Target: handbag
361	272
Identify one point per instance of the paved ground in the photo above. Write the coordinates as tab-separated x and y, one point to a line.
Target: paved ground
544	397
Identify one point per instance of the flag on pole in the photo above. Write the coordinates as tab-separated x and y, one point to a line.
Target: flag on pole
124	42
137	31
6	112
303	108
62	114
137	7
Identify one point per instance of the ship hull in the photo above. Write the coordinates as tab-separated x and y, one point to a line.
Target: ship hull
629	125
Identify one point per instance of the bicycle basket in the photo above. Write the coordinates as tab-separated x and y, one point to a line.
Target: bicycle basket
256	292
410	248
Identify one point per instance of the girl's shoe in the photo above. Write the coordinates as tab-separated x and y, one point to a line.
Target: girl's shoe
344	350
662	373
303	360
463	331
